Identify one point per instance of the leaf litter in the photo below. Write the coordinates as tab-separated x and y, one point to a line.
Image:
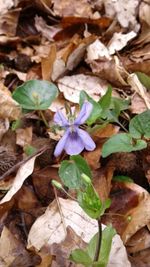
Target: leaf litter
82	48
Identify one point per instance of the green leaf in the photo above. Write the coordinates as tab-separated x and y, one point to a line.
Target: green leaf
107	236
105	102
80	256
122	104
35	94
95	114
89	201
122	178
70	171
144	79
140	125
29	150
122	143
91	247
16	124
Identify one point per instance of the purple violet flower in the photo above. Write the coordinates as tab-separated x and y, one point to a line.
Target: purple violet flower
74	139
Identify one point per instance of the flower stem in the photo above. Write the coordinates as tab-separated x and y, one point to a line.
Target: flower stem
43	118
99	241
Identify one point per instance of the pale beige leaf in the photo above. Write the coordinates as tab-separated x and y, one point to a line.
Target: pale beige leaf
71	86
72	8
119	41
4	126
144	12
8	246
24	136
9	108
97	50
124	11
24	171
13	252
139	88
46	30
5	5
140	217
51	228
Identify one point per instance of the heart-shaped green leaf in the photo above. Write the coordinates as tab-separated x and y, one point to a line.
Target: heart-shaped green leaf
140	125
70	171
122	143
35	94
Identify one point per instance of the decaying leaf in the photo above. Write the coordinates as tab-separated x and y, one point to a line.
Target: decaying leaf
24	171
131	200
140	217
125	12
71	86
45	232
8	22
119	41
139	88
9	108
12	251
4	126
24	136
5	5
47	31
70	8
70	56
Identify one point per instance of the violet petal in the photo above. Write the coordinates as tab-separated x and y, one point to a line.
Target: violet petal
61	144
84	113
74	144
60	119
86	139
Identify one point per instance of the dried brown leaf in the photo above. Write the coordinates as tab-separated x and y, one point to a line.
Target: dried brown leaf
9	108
24	171
71	86
140	217
4	126
46	231
9	22
24	136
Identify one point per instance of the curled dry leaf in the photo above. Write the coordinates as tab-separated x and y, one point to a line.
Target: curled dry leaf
125	12
9	22
139	241
119	41
97	50
139	88
9	108
4	126
24	136
70	56
12	251
138	104
140	217
66	8
47	31
130	200
144	12
51	228
5	5
24	171
71	86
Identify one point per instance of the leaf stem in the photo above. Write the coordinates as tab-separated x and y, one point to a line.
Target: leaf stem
43	118
99	241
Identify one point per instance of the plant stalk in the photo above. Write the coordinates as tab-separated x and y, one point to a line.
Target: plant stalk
43	118
99	241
